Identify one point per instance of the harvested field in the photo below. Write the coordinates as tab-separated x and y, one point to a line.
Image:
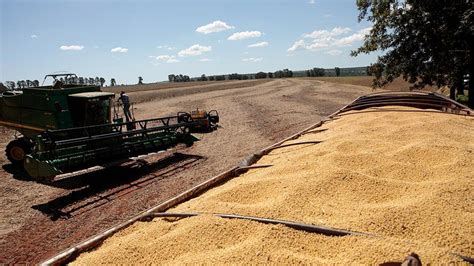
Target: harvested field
160	86
397	85
149	95
403	176
39	220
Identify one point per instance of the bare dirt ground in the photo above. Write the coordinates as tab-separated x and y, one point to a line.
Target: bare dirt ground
179	85
39	220
397	85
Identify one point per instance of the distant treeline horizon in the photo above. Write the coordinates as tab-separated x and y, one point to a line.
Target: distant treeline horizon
284	73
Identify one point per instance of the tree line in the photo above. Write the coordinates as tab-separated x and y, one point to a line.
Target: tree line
84	81
285	73
20	84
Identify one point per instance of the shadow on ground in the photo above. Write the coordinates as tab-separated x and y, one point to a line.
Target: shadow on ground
93	190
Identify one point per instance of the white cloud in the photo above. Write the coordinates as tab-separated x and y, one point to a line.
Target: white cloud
33	36
195	50
71	47
312	2
119	50
167	47
329	39
298	45
317	34
205	60
215	26
346	41
166	58
316	46
260	44
334	52
244	35
365	31
359	36
251	59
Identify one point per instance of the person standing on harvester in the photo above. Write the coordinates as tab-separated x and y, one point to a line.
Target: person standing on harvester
126	105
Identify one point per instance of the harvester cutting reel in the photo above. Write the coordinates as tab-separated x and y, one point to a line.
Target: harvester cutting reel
203	121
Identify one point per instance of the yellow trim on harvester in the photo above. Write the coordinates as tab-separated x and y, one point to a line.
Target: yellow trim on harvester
15	126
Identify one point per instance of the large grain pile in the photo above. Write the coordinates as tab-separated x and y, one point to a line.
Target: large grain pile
404	176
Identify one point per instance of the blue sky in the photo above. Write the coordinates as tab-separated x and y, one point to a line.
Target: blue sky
127	39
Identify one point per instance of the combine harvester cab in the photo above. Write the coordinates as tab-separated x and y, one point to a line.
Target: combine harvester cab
69	128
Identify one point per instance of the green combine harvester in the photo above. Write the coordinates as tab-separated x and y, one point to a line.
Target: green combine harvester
67	128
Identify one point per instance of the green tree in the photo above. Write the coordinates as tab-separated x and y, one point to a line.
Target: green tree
140	80
288	73
203	77
10	84
318	72
102	81
112	82
338	71
278	74
3	88
234	76
261	75
425	42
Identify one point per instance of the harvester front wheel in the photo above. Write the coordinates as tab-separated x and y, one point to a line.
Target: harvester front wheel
17	150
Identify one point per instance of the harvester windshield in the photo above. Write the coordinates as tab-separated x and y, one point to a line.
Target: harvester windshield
67	78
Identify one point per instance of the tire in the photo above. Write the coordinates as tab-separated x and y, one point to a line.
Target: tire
17	150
